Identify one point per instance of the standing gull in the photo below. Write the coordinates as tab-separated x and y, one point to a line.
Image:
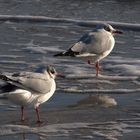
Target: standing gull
29	88
94	46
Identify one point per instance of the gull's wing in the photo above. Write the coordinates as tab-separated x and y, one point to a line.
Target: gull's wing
93	43
34	82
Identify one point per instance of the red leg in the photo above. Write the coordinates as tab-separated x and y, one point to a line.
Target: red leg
38	115
89	62
97	68
22	113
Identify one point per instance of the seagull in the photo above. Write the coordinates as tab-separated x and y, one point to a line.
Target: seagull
29	88
93	46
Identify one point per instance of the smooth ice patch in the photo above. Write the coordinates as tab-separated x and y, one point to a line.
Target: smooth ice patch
102	77
96	100
105	91
107	130
125	66
43	50
127	69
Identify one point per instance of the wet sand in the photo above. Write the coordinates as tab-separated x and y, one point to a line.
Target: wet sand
92	117
83	107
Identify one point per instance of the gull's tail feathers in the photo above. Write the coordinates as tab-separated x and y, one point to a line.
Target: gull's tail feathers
67	53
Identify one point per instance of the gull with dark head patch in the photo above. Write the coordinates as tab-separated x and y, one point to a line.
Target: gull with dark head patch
29	88
94	46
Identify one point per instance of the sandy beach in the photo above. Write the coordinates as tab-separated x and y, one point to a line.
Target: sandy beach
83	107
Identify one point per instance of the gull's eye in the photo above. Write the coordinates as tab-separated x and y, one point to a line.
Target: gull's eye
107	29
52	71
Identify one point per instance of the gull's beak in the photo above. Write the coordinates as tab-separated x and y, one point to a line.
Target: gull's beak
60	75
117	32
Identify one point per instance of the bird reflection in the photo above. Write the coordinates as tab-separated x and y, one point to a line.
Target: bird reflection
93	100
31	136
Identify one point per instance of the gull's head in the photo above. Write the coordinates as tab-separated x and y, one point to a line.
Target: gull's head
108	28
51	71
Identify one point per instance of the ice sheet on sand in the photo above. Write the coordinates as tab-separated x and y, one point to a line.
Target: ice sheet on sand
102	77
43	50
11	62
127	69
11	56
30	18
99	100
125	66
122	60
107	91
42	34
108	130
14	129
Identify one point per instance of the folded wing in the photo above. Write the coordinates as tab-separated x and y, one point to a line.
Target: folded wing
34	82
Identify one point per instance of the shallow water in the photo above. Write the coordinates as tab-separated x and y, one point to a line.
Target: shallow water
84	107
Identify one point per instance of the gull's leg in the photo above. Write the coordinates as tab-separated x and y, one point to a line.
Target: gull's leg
37	114
22	113
97	67
89	62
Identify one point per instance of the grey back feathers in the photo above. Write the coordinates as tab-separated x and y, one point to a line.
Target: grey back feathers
32	81
95	42
85	39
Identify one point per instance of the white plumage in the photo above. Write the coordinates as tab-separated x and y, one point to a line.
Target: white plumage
93	46
29	88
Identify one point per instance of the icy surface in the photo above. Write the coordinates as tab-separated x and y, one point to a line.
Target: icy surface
84	106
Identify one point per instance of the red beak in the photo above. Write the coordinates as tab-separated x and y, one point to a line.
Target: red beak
117	32
60	75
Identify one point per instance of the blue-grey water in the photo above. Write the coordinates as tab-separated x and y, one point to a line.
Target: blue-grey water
83	107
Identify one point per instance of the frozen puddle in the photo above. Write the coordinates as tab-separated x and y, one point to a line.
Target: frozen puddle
107	84
80	130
